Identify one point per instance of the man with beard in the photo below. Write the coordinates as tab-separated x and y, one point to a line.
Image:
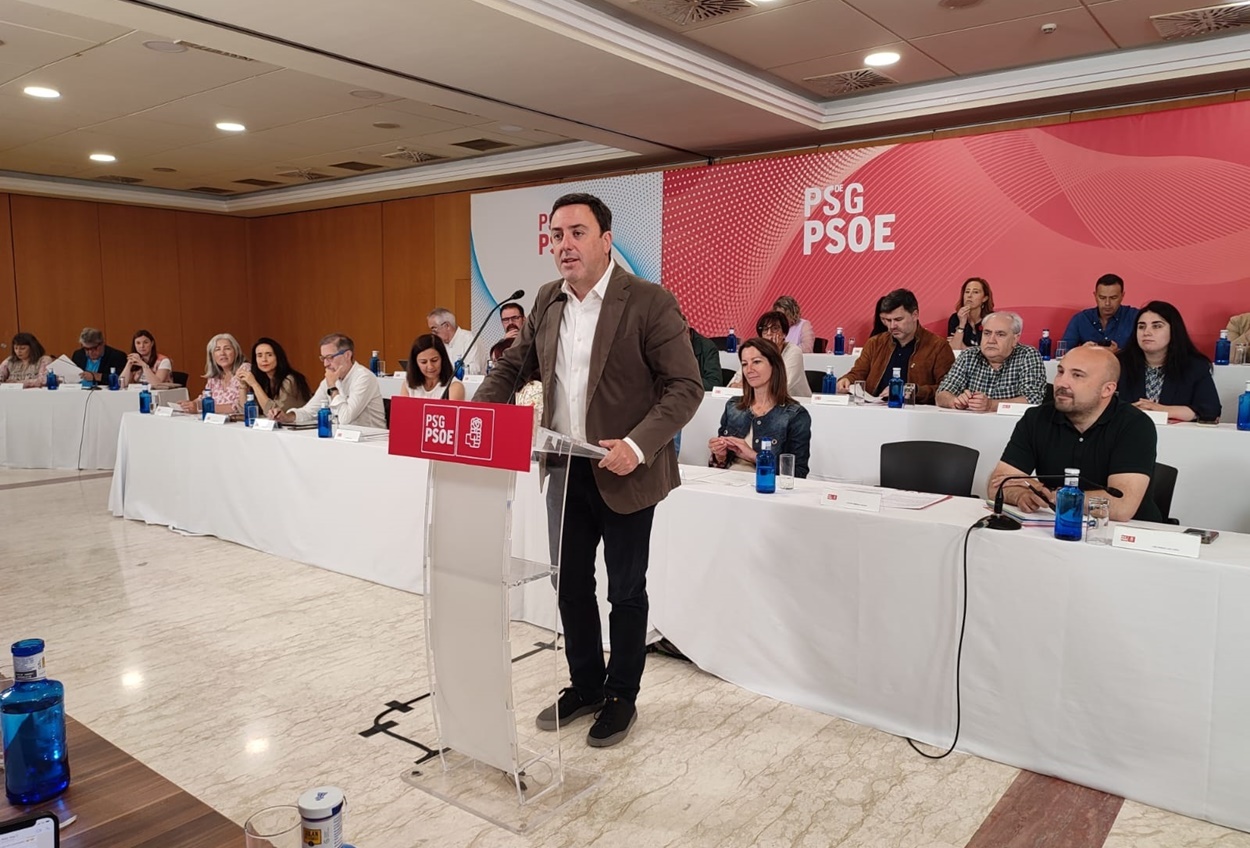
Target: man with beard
1085	427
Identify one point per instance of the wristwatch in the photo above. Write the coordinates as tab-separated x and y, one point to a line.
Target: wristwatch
332	391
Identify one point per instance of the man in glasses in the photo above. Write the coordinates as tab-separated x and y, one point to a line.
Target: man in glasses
351	388
94	358
512	317
442	323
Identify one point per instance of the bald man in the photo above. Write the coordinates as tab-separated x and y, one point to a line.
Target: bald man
1085	427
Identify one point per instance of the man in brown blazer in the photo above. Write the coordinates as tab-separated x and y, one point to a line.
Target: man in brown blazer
618	371
923	357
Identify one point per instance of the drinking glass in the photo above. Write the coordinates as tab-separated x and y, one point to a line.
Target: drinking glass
857	392
274	827
850	345
1239	354
382	372
1098	521
1060	349
909	394
785	471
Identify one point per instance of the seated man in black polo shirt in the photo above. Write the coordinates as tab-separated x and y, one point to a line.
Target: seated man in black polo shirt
1085	427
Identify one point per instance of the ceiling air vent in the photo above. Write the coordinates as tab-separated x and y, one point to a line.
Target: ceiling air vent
1205	21
356	166
211	190
304	174
416	157
193	46
686	12
847	82
258	183
482	144
118	178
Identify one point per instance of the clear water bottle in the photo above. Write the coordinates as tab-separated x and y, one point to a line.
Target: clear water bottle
145	400
896	389
373	364
208	406
32	716
115	382
1070	507
1223	347
52	381
324	430
731	341
829	382
1243	409
765	468
839	343
1043	346
250	410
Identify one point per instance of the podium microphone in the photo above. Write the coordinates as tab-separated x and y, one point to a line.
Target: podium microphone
1001	521
559	298
516	295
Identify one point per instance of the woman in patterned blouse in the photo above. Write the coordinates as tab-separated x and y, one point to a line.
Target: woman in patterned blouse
222	367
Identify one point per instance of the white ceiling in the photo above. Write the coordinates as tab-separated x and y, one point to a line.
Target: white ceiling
568	86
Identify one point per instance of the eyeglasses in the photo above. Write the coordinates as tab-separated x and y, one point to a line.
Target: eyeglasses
326	360
434	327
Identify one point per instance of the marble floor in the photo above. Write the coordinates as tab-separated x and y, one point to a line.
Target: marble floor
246	679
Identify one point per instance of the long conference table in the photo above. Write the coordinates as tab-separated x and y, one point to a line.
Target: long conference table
1124	671
70	428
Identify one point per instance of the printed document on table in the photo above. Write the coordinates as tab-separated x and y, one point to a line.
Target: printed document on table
900	499
65	368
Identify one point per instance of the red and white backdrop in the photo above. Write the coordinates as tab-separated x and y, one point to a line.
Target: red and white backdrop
1162	199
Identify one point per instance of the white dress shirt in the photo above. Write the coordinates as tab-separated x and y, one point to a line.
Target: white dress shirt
475	362
578	322
358	400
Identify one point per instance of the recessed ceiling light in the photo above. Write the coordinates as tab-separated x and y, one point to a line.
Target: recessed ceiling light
166	170
230	126
41	91
103	157
957	4
385	125
510	128
880	60
165	46
366	94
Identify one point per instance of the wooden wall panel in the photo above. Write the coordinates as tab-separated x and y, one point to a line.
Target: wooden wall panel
213	281
56	262
139	267
451	255
407	274
313	273
8	288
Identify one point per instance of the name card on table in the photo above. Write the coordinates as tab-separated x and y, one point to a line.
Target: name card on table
831	400
1158	416
342	435
857	351
1014	409
163	412
1171	542
725	391
8	387
399	375
216	418
852	499
264	424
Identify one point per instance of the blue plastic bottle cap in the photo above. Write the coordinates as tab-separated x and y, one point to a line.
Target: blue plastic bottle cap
27	647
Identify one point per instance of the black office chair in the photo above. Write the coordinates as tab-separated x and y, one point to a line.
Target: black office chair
1162	487
386	409
939	468
726	374
1048	396
403	365
820	345
719	341
815	381
178	377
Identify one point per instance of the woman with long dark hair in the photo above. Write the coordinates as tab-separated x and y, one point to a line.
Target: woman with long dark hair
27	363
766	410
1161	369
144	364
976	300
429	371
271	378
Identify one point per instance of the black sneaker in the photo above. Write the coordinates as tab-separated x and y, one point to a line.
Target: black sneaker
570	706
612	723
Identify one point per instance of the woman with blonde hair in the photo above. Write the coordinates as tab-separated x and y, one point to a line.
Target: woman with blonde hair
223	363
800	332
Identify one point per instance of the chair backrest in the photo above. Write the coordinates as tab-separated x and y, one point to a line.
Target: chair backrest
1162	486
1048	396
940	468
820	345
386	409
815	380
726	374
403	365
719	341
179	377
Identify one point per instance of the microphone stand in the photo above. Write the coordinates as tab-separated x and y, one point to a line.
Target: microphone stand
1001	521
516	295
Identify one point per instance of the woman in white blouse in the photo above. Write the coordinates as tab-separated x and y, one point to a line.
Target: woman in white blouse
144	364
429	371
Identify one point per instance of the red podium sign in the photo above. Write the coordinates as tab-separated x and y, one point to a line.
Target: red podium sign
495	435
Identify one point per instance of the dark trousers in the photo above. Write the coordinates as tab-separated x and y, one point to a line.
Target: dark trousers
626	548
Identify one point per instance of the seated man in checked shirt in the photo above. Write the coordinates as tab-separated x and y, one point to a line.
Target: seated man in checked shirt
1001	371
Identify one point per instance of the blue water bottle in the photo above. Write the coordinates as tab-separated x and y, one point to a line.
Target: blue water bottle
765	468
32	716
52	381
207	405
1223	347
829	382
1070	507
373	364
250	410
115	382
731	341
1043	346
323	420
839	343
1243	409
145	400
459	369
896	389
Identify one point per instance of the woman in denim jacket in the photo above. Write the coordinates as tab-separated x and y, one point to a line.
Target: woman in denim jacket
765	411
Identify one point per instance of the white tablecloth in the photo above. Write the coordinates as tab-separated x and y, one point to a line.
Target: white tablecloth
1118	670
67	428
1214	462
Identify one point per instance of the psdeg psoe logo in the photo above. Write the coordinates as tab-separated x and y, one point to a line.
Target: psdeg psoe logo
458	431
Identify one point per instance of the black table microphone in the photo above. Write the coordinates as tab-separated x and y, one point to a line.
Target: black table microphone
1000	521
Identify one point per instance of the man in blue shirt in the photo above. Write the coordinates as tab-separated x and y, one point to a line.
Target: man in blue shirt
1110	324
